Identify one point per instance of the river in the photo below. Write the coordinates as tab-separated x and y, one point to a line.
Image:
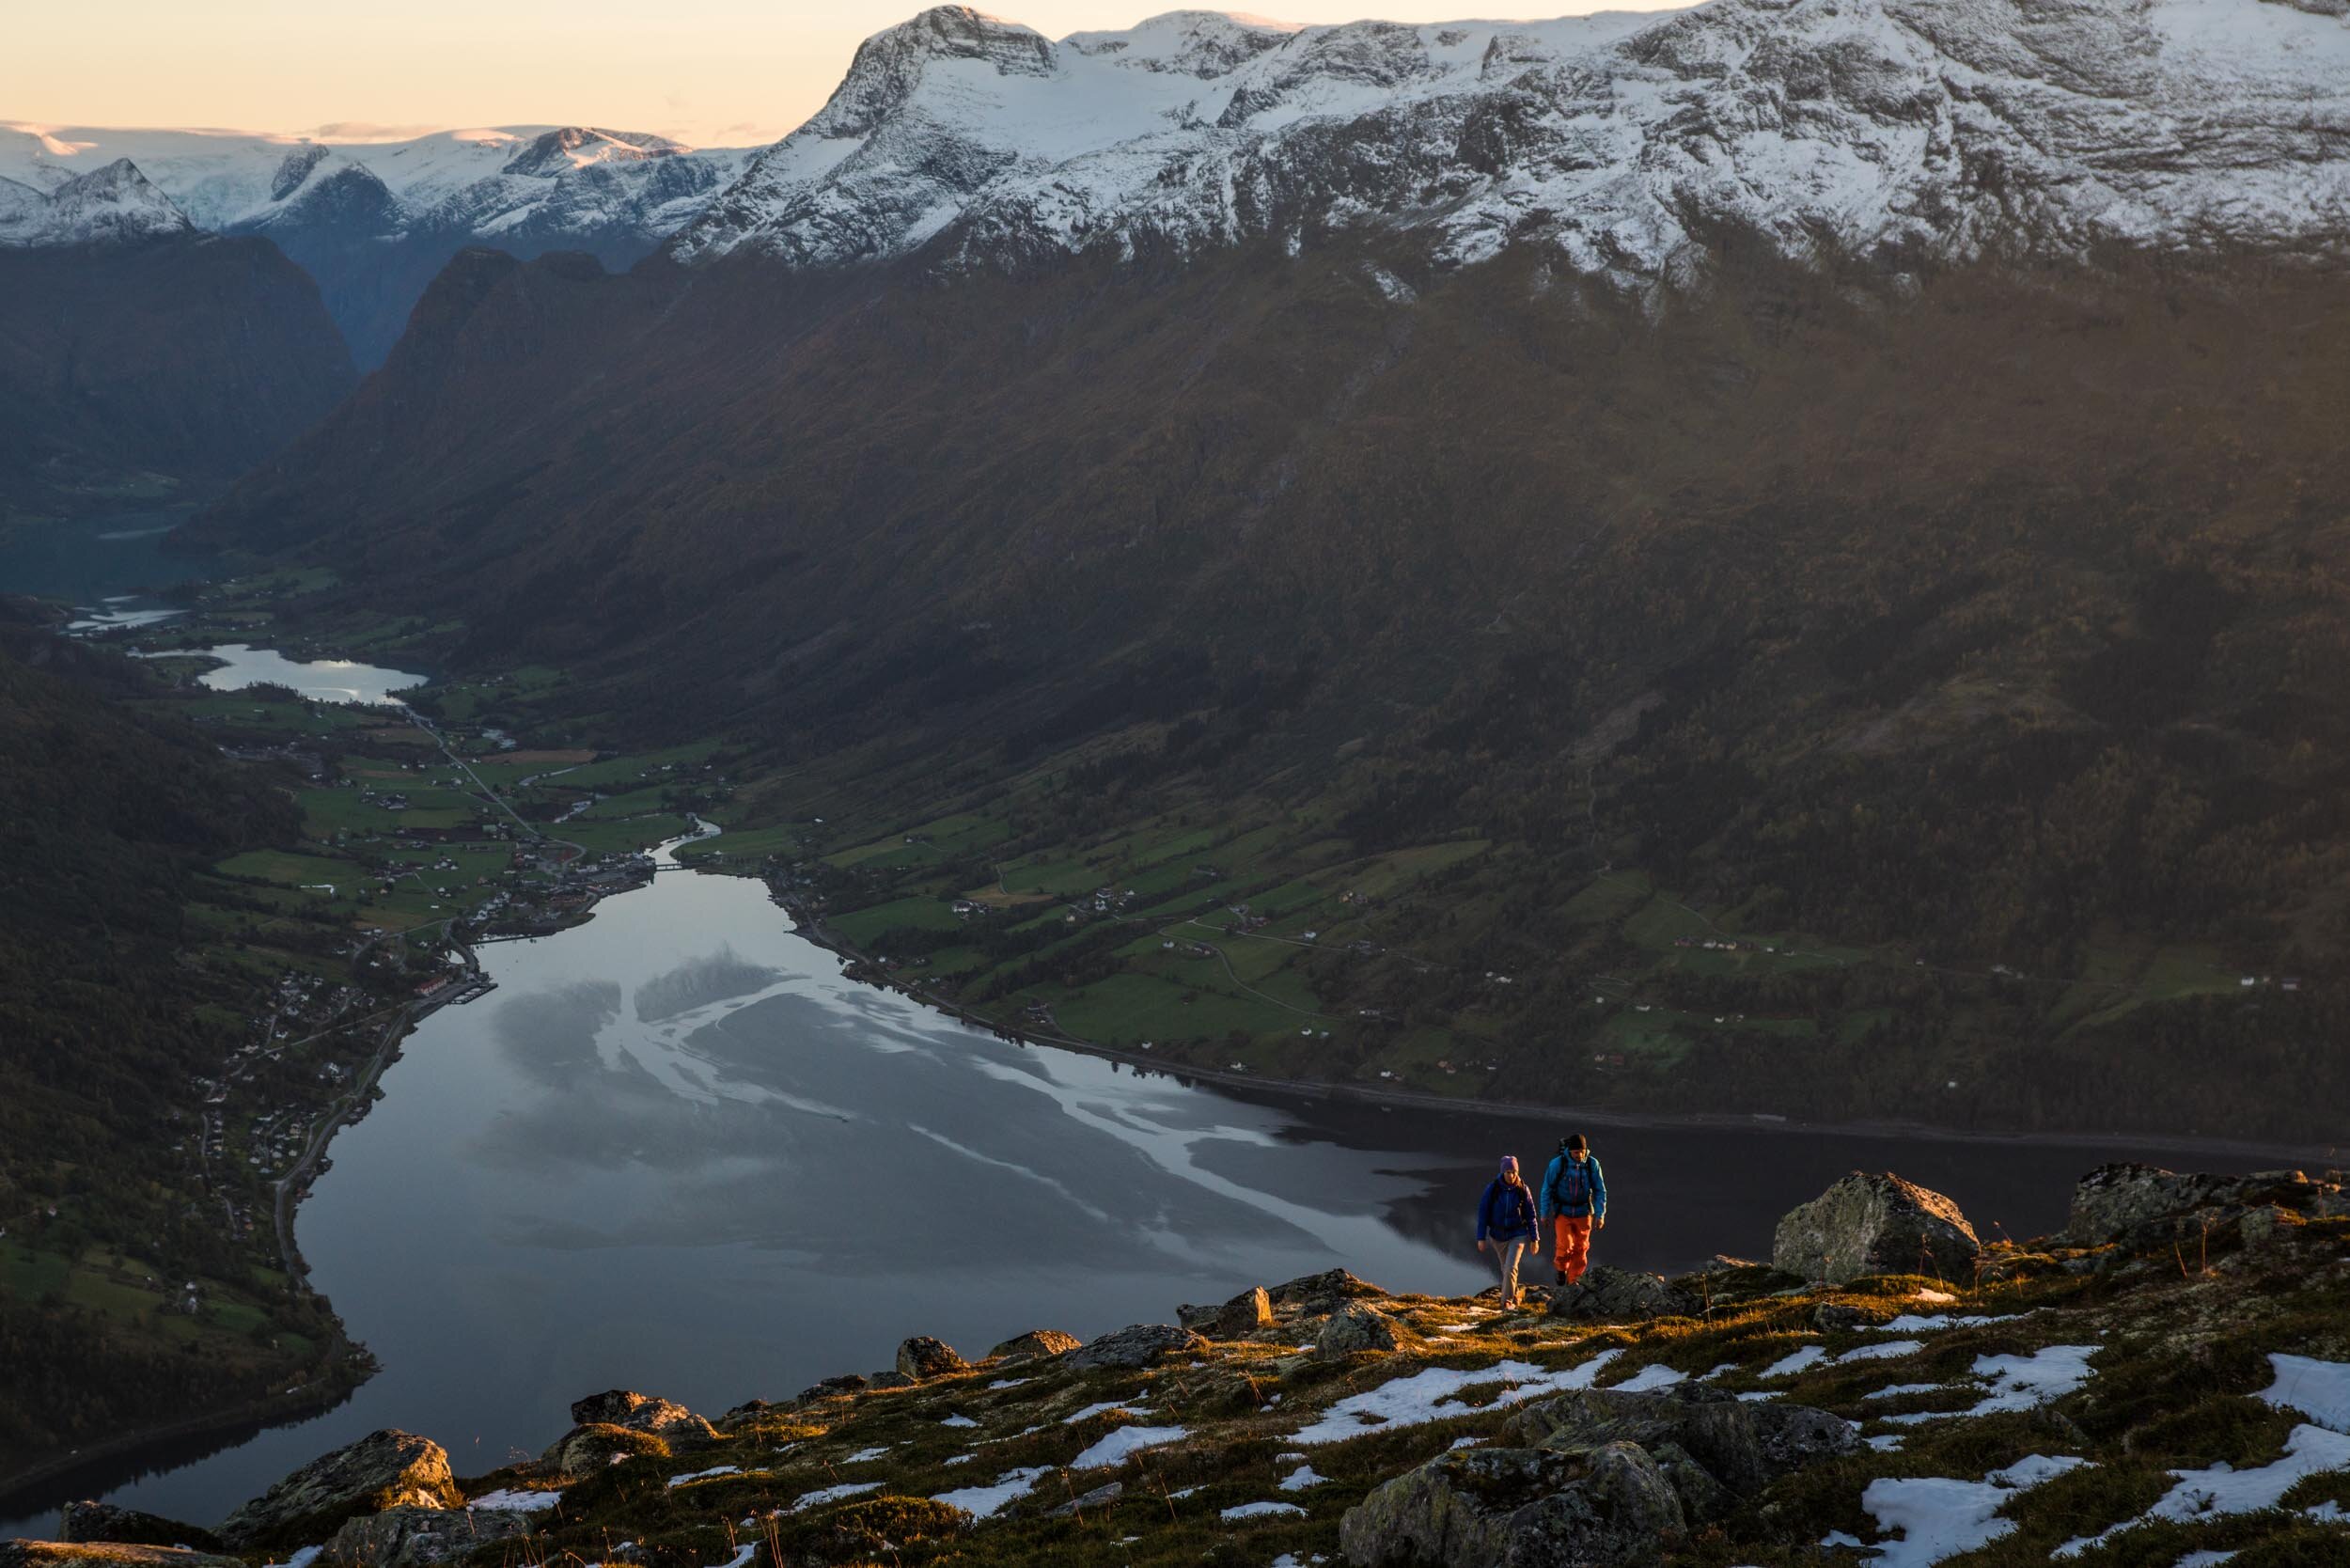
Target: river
677	1152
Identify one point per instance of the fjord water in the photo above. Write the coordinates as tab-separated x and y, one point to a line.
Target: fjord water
320	680
677	1152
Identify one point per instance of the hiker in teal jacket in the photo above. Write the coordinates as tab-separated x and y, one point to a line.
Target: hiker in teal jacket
1574	1204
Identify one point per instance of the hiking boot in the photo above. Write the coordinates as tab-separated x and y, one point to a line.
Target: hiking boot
1562	1276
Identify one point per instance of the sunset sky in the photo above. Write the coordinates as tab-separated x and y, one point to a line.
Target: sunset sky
711	73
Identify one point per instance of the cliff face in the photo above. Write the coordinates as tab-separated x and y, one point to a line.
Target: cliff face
2114	1383
171	356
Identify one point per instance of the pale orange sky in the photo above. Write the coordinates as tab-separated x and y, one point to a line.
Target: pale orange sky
712	72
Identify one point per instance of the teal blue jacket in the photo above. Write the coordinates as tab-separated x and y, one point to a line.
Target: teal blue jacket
1594	1202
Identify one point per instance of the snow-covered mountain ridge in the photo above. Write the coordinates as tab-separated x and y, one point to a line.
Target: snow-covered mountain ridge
108	206
1893	126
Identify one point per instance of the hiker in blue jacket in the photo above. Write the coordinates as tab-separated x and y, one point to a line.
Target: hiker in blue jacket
1505	1225
1574	1205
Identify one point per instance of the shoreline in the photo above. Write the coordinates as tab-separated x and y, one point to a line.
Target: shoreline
813	929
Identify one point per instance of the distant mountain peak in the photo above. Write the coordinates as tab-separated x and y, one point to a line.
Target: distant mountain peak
111	205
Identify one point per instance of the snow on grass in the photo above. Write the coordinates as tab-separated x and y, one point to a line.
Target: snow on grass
2018	1382
705	1475
1301	1478
511	1501
1895	1390
2205	1558
960	1459
1648	1380
301	1559
1884	1351
1889	1443
1788	1366
1939	1298
1260	1511
958	1420
2222	1489
1009	1382
741	1556
2318	1390
830	1494
1092	1410
1914	1323
985	1502
1939	1517
1433	1394
1126	1441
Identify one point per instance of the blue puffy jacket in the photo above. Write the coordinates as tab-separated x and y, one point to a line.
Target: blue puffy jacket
1506	1213
1556	1201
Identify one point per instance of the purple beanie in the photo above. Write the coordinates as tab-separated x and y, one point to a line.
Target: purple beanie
1509	1164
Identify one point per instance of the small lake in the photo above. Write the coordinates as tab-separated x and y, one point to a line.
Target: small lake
108	566
320	680
677	1152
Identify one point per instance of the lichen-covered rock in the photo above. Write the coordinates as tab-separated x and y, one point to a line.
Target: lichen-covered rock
1135	1346
421	1537
2138	1205
384	1469
1741	1446
105	1554
1517	1508
1620	1295
665	1419
97	1521
922	1357
1876	1223
1835	1317
831	1388
1356	1327
1035	1344
586	1451
1245	1316
1321	1293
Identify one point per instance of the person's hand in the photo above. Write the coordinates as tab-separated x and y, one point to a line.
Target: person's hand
1480	1245
1600	1224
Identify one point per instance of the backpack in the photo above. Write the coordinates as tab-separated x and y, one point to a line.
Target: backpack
1573	1187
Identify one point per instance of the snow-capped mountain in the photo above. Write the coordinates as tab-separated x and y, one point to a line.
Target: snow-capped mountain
114	205
374	221
1893	126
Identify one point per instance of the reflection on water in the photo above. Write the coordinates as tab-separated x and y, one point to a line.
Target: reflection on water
676	1152
322	680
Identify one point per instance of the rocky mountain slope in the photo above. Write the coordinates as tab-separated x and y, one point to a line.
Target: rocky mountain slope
2168	1381
1620	143
138	352
373	221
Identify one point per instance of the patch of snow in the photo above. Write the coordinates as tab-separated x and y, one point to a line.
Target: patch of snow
1459	1443
2328	1509
833	1494
1262	1511
1649	1379
1433	1394
960	1459
1939	1517
741	1556
705	1475
1009	1382
866	1456
958	1420
1125	1442
985	1502
2208	1494
1896	1390
1889	1443
1301	1478
1838	1537
1788	1366
1914	1323
301	1558
1092	1410
2318	1390
2204	1559
1883	1351
2019	1382
511	1501
1938	1298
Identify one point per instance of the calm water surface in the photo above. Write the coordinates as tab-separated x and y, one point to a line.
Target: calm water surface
676	1152
106	566
321	680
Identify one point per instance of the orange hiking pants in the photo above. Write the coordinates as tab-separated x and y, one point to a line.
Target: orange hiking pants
1573	1254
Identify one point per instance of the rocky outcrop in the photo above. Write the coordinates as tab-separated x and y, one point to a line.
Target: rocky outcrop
1322	1293
2140	1205
623	1408
1357	1327
1619	1296
922	1357
586	1451
1741	1447
384	1469
1517	1508
1875	1223
1245	1316
97	1521
1135	1346
105	1554
421	1537
1034	1343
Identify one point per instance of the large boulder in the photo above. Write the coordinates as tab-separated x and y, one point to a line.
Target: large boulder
1245	1316
1355	1327
1517	1508
2140	1205
420	1537
105	1554
97	1521
1875	1223
1741	1447
1620	1295
586	1451
623	1408
1137	1346
1034	1345
384	1469
922	1357
1322	1293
